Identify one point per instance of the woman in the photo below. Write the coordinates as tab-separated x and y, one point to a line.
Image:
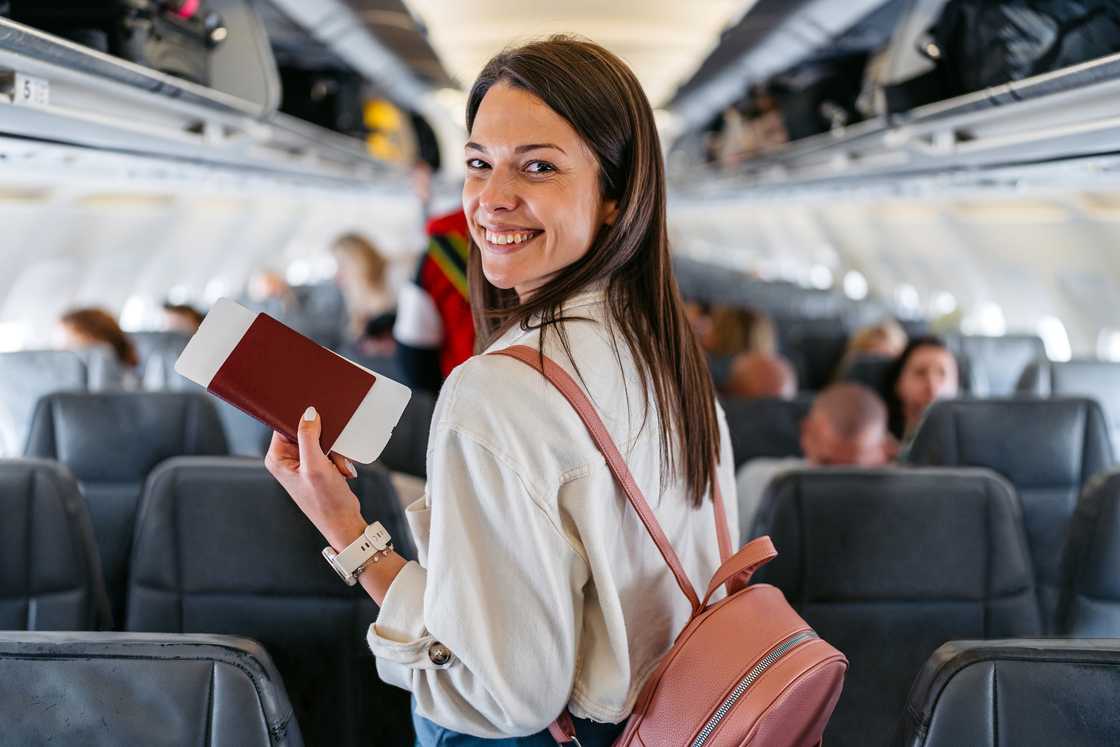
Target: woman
538	589
887	339
361	277
924	373
92	329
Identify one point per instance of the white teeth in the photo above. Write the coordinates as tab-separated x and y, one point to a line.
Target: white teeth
502	239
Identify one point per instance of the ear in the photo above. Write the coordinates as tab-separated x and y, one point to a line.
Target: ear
609	211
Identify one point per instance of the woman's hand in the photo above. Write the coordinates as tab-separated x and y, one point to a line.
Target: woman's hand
316	482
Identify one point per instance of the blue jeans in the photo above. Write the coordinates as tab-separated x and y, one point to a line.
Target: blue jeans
590	734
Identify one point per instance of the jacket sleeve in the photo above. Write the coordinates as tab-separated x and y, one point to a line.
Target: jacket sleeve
501	593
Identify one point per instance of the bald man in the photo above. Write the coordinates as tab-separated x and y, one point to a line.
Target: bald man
846	426
759	375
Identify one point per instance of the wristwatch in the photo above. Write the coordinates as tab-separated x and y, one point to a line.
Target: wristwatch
372	545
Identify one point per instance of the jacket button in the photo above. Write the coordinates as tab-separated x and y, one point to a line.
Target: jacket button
439	654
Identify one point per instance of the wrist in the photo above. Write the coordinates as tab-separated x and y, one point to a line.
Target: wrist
339	533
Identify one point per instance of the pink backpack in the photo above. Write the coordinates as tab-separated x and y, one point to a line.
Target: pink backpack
746	670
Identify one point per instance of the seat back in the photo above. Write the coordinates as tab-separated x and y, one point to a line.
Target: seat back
1099	380
1090	594
1027	693
816	357
996	363
79	689
1047	449
407	450
765	427
889	564
25	376
111	441
221	548
873	371
158	352
50	575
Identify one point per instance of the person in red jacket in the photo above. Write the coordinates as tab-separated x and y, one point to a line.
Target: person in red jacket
434	329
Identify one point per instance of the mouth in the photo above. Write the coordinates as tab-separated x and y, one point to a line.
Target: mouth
509	241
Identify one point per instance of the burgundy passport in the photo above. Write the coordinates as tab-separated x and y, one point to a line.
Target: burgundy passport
275	373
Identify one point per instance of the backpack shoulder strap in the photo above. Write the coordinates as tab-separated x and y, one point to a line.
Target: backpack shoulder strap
579	400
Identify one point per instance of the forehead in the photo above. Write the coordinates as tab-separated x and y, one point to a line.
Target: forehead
931	355
509	116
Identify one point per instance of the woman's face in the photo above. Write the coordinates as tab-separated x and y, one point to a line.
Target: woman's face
930	374
532	195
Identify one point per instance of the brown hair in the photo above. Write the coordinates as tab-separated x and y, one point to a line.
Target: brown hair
365	254
100	326
736	330
603	101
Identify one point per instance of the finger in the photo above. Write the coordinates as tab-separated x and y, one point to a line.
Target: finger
345	466
311	454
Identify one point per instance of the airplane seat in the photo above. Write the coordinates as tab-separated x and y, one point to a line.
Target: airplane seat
158	352
1097	379
765	427
873	371
1047	449
78	689
887	565
221	548
1090	601
105	373
25	376
322	311
110	441
816	357
1027	693
407	450
245	435
50	573
997	362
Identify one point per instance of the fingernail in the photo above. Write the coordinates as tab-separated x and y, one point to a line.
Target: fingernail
309	414
353	470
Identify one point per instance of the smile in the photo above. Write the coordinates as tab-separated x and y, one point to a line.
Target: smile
505	242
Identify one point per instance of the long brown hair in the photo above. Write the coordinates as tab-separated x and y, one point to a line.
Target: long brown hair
603	101
100	326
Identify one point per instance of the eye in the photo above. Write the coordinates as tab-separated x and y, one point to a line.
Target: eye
539	167
477	164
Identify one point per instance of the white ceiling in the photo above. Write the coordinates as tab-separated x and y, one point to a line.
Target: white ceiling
664	41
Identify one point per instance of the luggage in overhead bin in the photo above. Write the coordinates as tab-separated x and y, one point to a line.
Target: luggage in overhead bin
328	98
945	49
175	37
819	96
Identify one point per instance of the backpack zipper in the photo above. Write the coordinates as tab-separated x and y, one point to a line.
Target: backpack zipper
749	679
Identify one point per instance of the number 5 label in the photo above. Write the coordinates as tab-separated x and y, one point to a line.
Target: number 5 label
30	91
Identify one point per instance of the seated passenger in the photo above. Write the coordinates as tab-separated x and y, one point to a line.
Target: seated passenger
182	318
361	276
758	375
91	328
541	590
887	339
847	425
733	333
925	372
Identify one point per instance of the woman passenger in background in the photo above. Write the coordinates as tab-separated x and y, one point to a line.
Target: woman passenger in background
538	588
362	279
925	372
90	329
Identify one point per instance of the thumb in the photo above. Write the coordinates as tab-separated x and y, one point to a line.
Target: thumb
310	426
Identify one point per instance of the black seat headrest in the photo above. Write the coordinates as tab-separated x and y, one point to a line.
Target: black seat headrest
765	427
1027	693
76	689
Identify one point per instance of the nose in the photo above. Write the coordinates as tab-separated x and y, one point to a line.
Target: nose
498	194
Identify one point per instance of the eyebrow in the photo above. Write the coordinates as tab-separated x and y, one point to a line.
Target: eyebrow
521	148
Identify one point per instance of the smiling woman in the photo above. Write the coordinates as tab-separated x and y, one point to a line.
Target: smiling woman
538	589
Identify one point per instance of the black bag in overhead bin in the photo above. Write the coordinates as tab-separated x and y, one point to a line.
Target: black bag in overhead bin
945	49
172	36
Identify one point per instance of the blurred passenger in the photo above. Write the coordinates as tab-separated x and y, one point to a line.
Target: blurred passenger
181	318
846	426
434	329
736	330
699	315
361	276
925	372
90	330
269	289
758	375
887	339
